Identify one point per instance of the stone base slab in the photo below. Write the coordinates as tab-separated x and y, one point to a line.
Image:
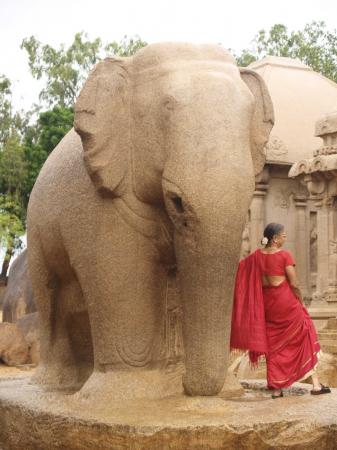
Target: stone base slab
32	419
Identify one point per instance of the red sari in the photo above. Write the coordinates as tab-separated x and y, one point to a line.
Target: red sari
271	321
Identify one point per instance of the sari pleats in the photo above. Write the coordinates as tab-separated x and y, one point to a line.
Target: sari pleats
291	337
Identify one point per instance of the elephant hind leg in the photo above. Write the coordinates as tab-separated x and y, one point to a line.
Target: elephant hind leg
71	357
79	331
63	325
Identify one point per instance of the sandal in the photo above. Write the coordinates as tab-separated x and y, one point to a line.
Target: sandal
323	390
278	396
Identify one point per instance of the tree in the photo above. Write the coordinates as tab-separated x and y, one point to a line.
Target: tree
13	173
126	47
314	45
42	138
10	121
65	69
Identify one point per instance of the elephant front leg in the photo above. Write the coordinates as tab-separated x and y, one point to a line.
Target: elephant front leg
126	304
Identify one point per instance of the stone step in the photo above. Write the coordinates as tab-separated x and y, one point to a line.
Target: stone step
320	313
327	334
329	346
332	324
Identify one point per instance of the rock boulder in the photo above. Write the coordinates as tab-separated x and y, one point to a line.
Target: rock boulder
18	299
14	349
29	326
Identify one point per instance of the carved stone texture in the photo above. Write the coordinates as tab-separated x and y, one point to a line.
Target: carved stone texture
313	244
326	128
276	149
321	163
246	243
325	158
328	337
151	179
284	195
174	338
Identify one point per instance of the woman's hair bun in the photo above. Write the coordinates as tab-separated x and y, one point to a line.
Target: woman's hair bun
264	240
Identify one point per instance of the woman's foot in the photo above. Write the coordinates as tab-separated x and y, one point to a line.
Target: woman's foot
321	389
277	393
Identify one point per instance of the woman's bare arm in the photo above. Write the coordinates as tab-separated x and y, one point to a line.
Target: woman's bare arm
293	281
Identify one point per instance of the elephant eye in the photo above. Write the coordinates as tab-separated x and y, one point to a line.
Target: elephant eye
178	204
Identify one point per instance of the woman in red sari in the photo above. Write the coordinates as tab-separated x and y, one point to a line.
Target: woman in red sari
270	319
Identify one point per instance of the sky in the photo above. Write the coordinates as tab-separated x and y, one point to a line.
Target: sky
231	23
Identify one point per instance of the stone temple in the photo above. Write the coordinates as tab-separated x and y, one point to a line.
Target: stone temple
294	188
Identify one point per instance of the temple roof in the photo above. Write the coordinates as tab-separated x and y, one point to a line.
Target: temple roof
300	97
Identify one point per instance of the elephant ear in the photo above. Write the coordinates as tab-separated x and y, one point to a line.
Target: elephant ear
102	120
263	118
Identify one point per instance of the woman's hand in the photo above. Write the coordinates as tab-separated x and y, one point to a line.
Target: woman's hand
297	292
293	281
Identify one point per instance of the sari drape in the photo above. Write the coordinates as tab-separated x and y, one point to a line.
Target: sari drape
272	321
248	316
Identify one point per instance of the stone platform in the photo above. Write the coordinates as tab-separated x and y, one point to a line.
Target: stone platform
31	419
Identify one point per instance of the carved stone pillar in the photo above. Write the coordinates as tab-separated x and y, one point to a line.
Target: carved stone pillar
301	244
322	249
320	175
331	293
257	209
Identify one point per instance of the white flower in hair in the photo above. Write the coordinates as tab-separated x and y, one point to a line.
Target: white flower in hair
264	240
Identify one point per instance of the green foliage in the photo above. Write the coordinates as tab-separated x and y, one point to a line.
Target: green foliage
65	69
13	174
314	45
126	47
5	109
10	121
42	138
12	228
53	125
246	58
12	168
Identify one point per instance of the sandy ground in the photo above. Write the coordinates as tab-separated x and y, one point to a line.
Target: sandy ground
13	372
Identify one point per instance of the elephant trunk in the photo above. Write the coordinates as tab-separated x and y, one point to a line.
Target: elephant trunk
208	230
206	282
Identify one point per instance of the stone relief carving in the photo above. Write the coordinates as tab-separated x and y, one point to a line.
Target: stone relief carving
173	321
246	244
283	195
326	150
333	246
276	149
313	246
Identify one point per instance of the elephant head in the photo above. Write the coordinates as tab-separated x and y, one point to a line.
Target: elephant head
181	127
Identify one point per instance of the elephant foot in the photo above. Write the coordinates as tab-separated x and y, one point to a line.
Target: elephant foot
57	378
132	384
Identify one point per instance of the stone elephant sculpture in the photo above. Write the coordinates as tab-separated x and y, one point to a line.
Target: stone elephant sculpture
159	172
